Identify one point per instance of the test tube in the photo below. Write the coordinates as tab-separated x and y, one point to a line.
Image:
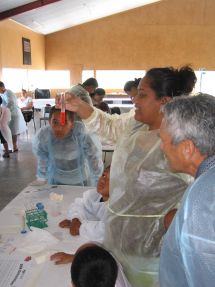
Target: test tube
62	113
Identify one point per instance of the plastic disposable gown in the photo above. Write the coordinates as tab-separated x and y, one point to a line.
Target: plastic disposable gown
5	118
142	191
91	211
74	160
188	251
17	123
109	127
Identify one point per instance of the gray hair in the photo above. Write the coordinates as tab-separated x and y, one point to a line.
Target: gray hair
192	117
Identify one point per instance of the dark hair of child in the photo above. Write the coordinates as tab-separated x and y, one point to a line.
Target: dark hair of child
93	266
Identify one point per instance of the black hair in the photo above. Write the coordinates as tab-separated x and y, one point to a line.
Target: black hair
171	82
90	82
93	266
99	91
69	114
0	100
130	84
2	84
23	90
103	106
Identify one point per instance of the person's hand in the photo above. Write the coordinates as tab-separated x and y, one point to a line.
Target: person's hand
72	102
75	226
62	258
66	223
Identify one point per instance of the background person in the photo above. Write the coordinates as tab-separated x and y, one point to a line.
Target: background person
130	88
5	132
98	96
142	188
187	134
66	154
17	124
25	102
90	85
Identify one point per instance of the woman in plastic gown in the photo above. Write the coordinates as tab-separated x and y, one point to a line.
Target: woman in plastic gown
142	188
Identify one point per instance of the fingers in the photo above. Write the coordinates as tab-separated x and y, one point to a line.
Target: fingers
57	256
61	258
66	223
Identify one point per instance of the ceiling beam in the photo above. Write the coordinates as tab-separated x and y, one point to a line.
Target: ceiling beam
25	8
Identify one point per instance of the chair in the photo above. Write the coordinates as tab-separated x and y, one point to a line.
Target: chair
28	116
45	117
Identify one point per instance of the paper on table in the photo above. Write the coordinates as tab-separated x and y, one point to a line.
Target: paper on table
54	275
36	241
14	272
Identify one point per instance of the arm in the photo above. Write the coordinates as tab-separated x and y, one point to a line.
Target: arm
40	150
62	258
107	126
92	230
28	105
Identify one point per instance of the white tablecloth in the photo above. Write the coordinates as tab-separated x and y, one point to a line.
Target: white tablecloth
39	271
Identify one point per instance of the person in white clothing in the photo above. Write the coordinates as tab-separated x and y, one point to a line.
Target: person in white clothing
87	214
5	132
25	103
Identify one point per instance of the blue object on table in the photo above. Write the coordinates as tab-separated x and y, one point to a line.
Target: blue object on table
40	206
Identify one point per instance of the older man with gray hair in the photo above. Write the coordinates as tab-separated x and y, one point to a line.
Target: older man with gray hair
188	141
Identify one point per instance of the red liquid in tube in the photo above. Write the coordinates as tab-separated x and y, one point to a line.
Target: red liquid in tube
62	118
62	113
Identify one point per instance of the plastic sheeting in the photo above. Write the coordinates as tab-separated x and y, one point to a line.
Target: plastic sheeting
74	160
142	191
109	127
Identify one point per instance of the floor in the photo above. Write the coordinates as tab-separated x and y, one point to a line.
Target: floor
19	170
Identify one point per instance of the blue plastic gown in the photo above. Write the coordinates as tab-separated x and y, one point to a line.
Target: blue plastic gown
188	251
74	160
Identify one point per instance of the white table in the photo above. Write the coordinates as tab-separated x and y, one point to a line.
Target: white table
40	103
39	271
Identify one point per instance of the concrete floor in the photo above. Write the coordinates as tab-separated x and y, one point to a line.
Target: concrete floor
19	170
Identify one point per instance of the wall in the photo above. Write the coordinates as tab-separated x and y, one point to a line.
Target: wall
170	32
11	35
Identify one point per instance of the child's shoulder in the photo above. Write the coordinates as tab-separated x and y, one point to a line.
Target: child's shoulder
79	128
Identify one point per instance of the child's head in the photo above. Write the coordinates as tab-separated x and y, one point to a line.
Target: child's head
99	95
59	130
93	266
104	183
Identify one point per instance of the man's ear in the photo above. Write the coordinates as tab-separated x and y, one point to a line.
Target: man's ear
188	149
